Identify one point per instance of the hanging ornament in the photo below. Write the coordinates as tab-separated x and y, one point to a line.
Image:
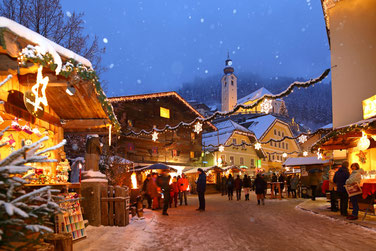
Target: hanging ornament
266	106
28	142
302	138
257	146
319	155
221	148
26	128
198	128
154	136
284	155
15	125
37	132
35	89
364	142
305	153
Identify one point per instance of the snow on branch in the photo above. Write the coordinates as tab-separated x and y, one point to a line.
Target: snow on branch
6	80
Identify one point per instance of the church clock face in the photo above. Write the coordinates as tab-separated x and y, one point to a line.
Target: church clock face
229	63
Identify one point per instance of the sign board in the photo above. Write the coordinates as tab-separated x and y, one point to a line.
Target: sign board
29	100
369	107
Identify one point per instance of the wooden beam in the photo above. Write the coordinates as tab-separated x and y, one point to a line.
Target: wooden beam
85	123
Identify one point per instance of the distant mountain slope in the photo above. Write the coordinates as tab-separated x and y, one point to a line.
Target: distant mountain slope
311	107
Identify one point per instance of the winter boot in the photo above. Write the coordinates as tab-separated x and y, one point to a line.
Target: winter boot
258	202
263	203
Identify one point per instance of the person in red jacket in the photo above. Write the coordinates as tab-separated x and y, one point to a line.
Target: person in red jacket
183	189
174	191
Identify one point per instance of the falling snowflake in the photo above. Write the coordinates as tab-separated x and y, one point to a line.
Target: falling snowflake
111	66
266	106
190	17
200	60
257	146
302	138
154	136
238	47
234	11
221	42
202	20
68	13
139	81
198	128
206	71
221	148
105	40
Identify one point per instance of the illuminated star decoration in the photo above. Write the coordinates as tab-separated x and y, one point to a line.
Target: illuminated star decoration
266	106
198	128
154	136
284	155
319	155
221	148
302	139
35	89
305	153
257	146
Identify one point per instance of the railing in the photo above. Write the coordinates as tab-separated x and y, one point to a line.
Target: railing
115	206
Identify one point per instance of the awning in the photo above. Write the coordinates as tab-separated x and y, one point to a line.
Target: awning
158	166
305	161
205	169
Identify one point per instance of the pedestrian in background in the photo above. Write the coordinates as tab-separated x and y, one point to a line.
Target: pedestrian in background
288	184
174	191
224	185
183	188
246	186
260	187
281	180
145	190
314	181
274	182
152	190
238	187
340	178
294	185
355	178
164	183
201	188
333	189
230	187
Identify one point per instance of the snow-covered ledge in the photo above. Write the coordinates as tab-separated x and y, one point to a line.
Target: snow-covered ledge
93	176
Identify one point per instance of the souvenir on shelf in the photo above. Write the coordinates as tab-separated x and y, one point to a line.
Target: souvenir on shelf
26	128
15	125
37	132
62	171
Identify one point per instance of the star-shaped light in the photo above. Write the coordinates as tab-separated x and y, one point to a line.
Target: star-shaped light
221	148
35	89
198	128
284	155
305	153
302	138
154	136
266	106
319	155
257	146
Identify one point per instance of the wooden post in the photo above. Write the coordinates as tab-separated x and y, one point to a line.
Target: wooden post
104	206
61	242
272	190
120	206
279	190
111	206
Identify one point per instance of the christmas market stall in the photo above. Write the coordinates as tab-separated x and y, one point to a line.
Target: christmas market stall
48	90
213	178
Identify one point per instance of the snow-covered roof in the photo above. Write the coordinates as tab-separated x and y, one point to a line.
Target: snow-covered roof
45	45
328	126
225	130
304	161
260	124
254	95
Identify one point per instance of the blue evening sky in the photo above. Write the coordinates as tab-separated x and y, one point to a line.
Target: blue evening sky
157	45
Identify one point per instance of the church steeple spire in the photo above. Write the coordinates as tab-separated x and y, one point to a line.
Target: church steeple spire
228	66
229	86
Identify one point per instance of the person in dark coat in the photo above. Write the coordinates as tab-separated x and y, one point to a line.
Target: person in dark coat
147	196
288	184
274	180
201	188
224	185
339	179
260	186
246	186
164	184
230	187
238	187
281	179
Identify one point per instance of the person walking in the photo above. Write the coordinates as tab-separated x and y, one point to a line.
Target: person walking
274	183
145	192
333	189
246	186
281	180
260	186
230	187
174	191
288	184
152	190
224	185
183	188
340	178
314	181
238	187
355	177
294	185
164	183
201	188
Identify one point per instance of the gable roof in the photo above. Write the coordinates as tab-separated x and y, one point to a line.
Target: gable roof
156	96
254	95
261	124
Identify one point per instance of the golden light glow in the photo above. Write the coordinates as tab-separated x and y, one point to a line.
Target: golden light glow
364	142
221	148
369	107
134	180
154	136
284	155
164	112
257	146
35	89
305	153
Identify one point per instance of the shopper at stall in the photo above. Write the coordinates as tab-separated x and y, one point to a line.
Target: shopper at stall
355	177
145	191
340	178
230	187
294	185
314	181
183	189
281	180
224	185
333	189
274	181
260	187
201	188
164	183
174	192
152	190
288	184
246	186
238	187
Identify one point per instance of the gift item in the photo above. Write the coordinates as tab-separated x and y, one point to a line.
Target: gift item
11	140
37	132
15	125
26	128
62	171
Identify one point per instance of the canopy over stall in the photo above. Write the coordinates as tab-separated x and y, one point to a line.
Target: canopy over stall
205	169
158	166
305	161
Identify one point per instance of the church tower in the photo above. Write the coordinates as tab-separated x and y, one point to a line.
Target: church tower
229	87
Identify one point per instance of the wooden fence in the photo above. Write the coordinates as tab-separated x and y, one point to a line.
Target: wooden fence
115	206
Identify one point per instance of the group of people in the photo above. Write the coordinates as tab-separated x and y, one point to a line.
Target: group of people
156	187
338	179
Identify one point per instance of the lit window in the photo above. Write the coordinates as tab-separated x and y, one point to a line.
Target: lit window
164	112
279	133
192	155
287	146
283	134
232	160
234	141
193	136
279	144
241	161
252	162
275	132
283	145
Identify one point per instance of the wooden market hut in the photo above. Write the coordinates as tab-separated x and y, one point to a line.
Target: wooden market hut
47	90
213	178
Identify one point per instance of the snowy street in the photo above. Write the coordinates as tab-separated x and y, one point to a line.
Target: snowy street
232	225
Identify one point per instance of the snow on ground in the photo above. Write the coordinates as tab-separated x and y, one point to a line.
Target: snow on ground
231	225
